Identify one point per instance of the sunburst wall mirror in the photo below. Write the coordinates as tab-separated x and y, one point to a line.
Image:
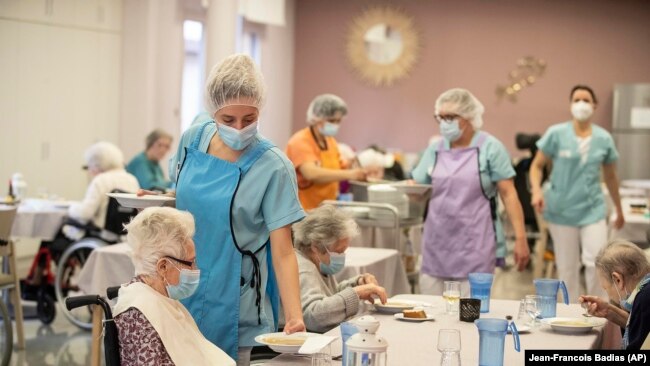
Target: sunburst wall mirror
382	45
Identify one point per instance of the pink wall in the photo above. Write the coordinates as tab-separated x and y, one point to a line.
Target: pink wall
474	44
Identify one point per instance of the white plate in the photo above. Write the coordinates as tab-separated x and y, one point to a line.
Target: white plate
131	200
400	316
396	306
573	325
270	339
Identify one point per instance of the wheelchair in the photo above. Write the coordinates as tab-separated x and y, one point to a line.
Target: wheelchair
47	286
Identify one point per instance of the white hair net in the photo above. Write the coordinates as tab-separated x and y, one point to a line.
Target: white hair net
104	156
235	80
462	103
325	106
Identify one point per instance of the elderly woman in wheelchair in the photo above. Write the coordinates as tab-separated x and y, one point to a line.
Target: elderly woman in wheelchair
152	324
96	221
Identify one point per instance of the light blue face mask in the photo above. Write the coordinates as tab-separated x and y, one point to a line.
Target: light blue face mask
188	282
337	262
622	300
329	129
450	130
237	139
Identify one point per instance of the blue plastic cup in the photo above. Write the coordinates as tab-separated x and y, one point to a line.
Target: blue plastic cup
547	289
480	285
347	330
492	337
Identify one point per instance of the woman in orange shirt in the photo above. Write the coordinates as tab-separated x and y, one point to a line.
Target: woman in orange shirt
315	154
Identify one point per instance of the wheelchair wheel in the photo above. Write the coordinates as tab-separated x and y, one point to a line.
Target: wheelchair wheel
46	308
6	335
67	277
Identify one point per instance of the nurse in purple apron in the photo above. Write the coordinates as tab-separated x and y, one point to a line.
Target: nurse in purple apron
468	168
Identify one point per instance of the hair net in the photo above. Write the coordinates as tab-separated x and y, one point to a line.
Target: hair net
325	106
464	104
236	77
104	156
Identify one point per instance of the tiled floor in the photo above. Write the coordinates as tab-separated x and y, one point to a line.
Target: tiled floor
62	343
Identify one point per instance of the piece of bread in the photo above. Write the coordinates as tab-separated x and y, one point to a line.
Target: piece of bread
417	314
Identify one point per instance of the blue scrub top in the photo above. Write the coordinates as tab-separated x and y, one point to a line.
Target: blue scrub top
267	199
494	165
574	196
149	173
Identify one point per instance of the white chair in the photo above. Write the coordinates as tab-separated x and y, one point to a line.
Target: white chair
9	281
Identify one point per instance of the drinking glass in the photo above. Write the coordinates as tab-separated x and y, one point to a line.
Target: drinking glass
452	296
533	308
449	346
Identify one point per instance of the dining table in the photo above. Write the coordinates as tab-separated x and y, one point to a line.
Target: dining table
415	343
40	218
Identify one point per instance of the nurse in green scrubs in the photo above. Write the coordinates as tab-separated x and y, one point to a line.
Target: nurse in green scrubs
573	203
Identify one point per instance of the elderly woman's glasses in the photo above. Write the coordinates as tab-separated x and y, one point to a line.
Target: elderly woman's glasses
446	117
191	264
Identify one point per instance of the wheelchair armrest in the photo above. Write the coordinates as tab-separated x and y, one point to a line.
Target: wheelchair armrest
112	292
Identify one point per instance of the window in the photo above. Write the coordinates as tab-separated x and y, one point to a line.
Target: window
192	102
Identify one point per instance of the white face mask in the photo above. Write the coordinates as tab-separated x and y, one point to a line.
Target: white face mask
582	110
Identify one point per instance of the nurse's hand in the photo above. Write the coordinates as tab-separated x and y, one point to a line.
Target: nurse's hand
537	201
620	221
521	253
145	192
294	325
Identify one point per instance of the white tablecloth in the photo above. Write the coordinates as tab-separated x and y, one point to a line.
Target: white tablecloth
111	266
39	218
414	344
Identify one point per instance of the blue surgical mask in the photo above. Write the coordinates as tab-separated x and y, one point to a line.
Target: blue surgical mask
337	262
622	300
450	130
237	139
329	129
188	282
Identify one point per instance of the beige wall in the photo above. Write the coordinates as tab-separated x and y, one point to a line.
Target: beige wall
474	44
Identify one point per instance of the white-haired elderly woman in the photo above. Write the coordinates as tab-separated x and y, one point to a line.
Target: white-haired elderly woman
105	166
468	168
315	154
623	271
154	328
321	240
242	192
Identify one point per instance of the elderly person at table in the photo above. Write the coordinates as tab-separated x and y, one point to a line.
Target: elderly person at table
105	166
321	240
624	273
154	328
104	163
146	165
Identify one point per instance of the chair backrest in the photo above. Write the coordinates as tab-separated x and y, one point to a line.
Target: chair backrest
7	216
117	215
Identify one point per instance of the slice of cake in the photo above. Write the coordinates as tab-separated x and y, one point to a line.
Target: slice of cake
417	314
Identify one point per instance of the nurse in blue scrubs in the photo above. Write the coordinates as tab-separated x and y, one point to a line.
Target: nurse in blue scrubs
242	192
573	203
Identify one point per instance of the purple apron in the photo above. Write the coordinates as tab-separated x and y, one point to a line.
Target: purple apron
459	234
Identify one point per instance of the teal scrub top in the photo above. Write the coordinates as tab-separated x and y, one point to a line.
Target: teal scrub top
267	199
149	173
574	196
494	165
